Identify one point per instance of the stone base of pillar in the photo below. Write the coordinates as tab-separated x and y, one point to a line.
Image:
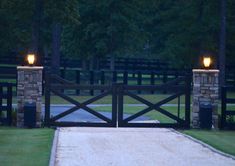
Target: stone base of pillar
205	91
29	90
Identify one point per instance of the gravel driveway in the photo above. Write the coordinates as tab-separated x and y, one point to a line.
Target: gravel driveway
132	147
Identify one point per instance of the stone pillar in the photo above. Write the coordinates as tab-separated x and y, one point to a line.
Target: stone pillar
205	91
29	89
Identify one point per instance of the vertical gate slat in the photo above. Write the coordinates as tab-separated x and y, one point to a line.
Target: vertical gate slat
120	105
114	105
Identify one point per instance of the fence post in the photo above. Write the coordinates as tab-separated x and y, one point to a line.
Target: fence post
139	80
9	104
115	76
102	79
1	96
125	77
47	100
77	80
92	81
223	107
187	100
62	72
152	81
164	80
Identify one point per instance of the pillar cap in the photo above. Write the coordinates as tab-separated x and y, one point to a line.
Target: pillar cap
205	71
29	67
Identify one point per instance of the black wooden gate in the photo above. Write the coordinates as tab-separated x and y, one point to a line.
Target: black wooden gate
180	86
6	107
227	114
57	85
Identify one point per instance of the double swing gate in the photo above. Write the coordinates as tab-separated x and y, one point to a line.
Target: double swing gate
117	115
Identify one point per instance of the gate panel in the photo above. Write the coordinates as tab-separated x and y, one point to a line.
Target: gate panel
177	87
59	89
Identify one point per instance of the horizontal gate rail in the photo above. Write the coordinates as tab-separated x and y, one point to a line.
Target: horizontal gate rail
225	113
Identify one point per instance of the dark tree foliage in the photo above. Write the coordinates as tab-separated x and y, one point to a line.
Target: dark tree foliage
178	31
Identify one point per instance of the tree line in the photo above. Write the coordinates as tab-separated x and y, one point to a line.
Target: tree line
177	31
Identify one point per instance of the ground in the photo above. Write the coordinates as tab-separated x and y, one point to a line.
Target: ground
25	147
132	146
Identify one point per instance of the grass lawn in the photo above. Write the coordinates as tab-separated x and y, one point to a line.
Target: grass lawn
222	140
25	147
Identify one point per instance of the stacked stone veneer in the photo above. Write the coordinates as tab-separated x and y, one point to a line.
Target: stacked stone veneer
205	91
29	89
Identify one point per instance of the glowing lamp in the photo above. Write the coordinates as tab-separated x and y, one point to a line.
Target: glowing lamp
207	61
31	59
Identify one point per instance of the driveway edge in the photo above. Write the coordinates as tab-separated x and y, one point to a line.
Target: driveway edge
54	148
205	145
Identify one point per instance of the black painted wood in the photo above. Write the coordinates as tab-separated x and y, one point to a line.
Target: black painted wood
225	113
118	91
6	94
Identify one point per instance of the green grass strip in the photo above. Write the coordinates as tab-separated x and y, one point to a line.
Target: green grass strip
221	140
25	147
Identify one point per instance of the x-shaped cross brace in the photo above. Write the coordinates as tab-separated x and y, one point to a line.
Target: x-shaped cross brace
81	105
152	106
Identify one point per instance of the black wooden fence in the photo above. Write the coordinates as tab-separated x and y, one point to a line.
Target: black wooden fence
228	108
6	103
121	76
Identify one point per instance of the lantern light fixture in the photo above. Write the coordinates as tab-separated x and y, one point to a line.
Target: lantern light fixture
31	59
207	62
